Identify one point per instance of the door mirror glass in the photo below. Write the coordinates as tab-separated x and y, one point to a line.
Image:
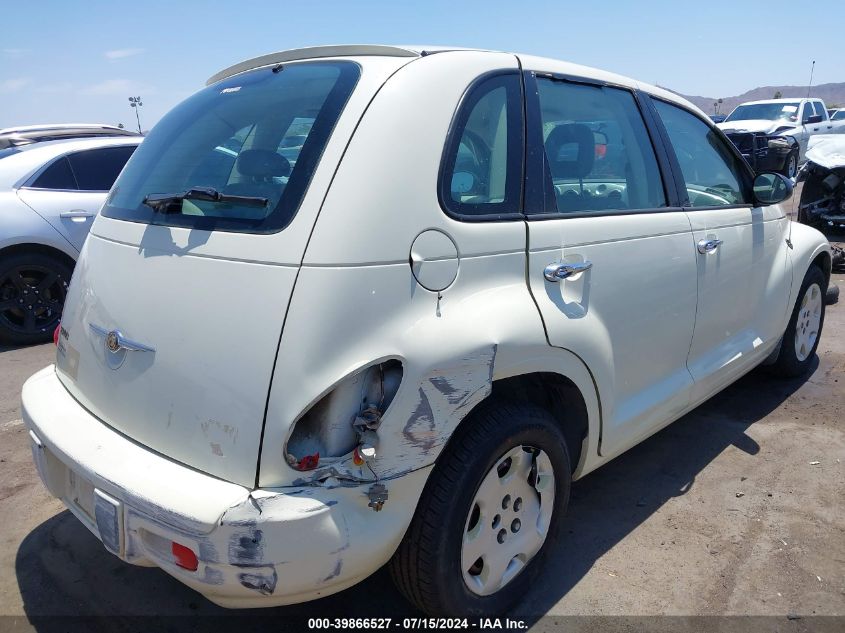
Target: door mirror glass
813	118
770	188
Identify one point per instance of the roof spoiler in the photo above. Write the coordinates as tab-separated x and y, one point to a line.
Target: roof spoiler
312	52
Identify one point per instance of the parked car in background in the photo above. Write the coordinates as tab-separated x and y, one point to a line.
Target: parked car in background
49	195
773	134
822	203
838	115
717	118
24	135
485	275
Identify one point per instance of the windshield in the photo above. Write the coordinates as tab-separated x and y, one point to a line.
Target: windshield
766	111
255	135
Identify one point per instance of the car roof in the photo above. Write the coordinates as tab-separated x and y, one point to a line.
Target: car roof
29	158
529	62
46	127
783	100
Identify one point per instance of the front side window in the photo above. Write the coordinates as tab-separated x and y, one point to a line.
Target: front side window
482	169
598	151
238	155
97	169
713	174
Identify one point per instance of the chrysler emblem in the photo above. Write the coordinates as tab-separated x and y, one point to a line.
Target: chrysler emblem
112	341
117	345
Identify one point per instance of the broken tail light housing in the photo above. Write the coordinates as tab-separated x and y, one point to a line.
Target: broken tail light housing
56	334
337	424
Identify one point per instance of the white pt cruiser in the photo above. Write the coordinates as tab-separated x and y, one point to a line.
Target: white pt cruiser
357	305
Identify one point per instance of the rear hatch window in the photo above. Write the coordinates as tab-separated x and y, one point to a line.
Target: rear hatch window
238	155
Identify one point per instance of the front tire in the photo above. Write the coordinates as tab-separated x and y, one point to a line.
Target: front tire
790	165
33	287
489	514
802	335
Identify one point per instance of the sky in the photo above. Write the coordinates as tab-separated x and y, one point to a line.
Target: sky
75	61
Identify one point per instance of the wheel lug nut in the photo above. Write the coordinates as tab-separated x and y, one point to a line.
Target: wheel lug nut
496	520
502	535
515	525
506	502
517	504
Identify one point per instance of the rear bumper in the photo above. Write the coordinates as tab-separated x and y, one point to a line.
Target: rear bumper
255	548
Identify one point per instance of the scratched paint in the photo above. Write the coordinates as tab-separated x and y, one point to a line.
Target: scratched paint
262	580
247	547
220	435
336	571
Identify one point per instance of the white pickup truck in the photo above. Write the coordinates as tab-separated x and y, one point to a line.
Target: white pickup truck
772	135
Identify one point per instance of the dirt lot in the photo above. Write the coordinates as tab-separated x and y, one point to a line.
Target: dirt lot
738	508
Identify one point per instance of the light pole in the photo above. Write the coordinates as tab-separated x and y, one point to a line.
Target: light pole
135	102
812	68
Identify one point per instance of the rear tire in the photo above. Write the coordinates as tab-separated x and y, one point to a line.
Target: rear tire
460	514
33	287
803	333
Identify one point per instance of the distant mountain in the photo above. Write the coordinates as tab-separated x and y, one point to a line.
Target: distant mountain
831	94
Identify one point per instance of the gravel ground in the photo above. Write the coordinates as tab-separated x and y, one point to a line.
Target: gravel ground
736	509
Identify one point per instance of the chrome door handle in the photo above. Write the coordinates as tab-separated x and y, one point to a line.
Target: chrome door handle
76	213
561	270
708	246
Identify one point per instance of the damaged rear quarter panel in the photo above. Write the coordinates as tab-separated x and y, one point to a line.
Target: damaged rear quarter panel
449	361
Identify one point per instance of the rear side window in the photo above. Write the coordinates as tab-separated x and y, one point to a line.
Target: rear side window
598	152
714	175
97	169
482	167
246	148
57	176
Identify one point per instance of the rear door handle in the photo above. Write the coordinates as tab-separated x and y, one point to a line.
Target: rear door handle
77	213
561	270
708	246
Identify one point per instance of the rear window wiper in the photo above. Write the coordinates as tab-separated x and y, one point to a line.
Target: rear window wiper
160	202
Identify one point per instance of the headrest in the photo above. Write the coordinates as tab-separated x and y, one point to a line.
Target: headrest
262	163
575	161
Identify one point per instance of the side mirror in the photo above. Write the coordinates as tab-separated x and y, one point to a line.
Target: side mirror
771	188
813	118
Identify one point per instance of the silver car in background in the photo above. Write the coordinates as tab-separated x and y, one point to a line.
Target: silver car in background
49	195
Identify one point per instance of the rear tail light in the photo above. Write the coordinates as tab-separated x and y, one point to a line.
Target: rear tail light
184	556
56	334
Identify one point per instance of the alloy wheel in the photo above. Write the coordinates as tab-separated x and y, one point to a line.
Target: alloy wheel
31	299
